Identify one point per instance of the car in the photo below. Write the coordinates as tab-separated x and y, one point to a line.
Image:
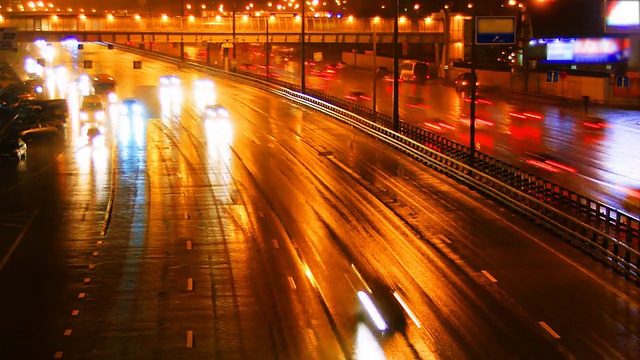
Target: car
465	80
215	111
131	107
91	110
382	71
13	148
32	121
170	80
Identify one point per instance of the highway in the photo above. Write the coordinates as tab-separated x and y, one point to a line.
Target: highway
247	236
591	154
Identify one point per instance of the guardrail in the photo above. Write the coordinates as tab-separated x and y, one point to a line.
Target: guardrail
221	24
610	235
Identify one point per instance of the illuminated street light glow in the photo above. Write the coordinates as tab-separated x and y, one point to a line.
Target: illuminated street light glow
109	16
31	4
269	4
403	19
192	18
164	17
512	2
416	6
203	6
350	18
83	17
136	16
189	6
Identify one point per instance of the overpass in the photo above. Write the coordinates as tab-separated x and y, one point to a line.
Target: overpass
121	29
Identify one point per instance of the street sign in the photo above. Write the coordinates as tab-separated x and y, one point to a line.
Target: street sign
623	81
137	64
317	56
227	44
495	30
80	46
88	64
552	76
563	75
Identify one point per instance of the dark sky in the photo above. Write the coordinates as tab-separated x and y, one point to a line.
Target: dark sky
567	18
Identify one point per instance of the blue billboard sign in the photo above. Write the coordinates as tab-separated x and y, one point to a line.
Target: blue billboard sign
586	51
495	30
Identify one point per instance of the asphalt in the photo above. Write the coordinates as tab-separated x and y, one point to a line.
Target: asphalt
237	238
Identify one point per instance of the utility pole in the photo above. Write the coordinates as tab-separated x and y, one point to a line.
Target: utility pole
396	72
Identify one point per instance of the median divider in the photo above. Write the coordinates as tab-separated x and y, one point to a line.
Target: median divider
609	234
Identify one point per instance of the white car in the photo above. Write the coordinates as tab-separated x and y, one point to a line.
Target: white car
92	110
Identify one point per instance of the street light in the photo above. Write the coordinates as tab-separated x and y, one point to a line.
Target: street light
396	72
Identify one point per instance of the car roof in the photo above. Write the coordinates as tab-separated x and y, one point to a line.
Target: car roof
91	98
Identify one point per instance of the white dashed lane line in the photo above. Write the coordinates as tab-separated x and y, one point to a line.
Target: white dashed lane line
549	329
190	284
189	245
276	244
486	273
292	282
189	339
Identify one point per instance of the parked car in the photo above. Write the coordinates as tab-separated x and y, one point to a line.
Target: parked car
13	148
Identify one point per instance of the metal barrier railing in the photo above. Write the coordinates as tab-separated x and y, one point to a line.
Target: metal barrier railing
610	235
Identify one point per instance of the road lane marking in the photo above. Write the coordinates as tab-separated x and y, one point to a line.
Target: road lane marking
92	266
260	213
58	355
443	238
100	242
549	329
312	337
187	216
189	245
67	332
275	244
15	244
96	253
112	193
486	273
189	339
190	284
87	280
75	312
81	296
292	282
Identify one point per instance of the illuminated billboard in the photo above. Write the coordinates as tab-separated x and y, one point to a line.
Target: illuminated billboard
585	51
622	16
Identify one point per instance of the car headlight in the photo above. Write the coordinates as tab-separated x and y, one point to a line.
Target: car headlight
113	98
164	81
99	115
137	109
175	80
39	89
84	116
223	112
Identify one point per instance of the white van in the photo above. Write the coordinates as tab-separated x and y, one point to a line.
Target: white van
414	71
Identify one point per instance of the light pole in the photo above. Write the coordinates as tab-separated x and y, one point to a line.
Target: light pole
375	75
302	75
472	106
233	25
267	50
396	72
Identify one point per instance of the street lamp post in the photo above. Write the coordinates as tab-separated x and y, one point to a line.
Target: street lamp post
472	106
375	55
396	72
233	25
302	50
267	50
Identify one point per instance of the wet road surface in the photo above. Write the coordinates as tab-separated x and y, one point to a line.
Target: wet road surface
239	237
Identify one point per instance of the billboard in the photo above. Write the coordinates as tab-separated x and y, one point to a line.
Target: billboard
622	16
587	51
9	39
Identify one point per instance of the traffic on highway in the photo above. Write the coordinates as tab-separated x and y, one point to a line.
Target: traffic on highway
162	212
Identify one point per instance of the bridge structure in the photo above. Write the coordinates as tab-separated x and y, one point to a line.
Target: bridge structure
120	29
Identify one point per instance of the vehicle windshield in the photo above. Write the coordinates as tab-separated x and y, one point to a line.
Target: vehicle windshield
91	106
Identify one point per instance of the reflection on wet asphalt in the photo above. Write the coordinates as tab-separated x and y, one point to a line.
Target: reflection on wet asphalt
187	232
